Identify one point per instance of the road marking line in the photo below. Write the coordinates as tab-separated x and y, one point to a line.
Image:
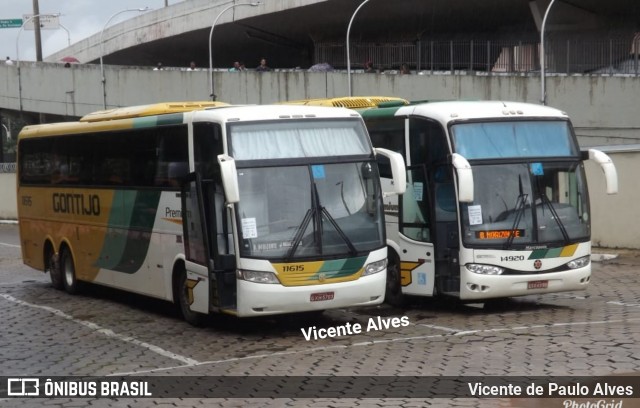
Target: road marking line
10	245
623	304
106	332
447	329
380	341
233	359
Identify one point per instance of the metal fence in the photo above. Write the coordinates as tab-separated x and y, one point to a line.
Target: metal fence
7	167
568	56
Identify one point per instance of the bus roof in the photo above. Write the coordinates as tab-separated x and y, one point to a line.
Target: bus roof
272	112
468	110
165	113
149	110
173	114
351	102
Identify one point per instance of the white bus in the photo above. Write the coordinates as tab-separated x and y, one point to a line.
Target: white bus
496	204
249	211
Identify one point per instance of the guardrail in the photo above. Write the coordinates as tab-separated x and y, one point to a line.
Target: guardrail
564	56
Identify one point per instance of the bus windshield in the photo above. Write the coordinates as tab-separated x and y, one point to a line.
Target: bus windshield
304	211
507	139
530	204
298	139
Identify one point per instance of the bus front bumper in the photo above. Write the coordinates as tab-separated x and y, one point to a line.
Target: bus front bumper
477	287
255	299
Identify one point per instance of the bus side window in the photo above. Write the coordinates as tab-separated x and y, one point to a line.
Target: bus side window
415	216
388	134
207	145
36	166
207	140
172	157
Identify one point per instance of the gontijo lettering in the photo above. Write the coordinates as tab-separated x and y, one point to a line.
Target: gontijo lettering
79	204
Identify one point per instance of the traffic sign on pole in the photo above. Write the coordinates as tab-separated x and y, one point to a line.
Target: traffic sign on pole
11	23
47	21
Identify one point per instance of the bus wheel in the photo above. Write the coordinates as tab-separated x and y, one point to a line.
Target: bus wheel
393	292
68	272
181	294
54	271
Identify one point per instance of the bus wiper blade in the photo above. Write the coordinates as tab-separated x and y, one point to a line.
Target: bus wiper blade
554	214
345	238
520	206
297	238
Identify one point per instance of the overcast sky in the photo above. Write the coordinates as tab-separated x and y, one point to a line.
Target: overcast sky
81	17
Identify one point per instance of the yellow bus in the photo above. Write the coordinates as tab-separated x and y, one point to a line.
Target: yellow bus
245	210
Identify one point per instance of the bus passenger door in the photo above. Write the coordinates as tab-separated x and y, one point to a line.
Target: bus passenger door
206	277
417	270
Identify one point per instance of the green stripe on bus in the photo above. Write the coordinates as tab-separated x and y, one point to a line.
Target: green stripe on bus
170	119
378	112
550	253
340	267
538	253
115	239
127	241
159	120
554	252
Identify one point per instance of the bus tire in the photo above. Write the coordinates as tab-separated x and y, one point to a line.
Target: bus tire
68	272
393	291
54	269
181	297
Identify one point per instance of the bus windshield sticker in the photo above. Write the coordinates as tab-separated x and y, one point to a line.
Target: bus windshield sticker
418	190
475	215
536	169
318	171
270	246
249	228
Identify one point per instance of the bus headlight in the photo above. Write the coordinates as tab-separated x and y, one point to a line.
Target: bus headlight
375	267
485	269
258	276
580	262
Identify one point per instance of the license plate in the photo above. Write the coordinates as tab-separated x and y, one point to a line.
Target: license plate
540	284
319	297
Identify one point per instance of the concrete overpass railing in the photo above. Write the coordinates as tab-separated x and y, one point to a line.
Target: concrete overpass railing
603	109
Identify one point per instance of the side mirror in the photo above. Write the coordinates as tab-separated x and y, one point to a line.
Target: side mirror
398	171
229	178
465	178
609	169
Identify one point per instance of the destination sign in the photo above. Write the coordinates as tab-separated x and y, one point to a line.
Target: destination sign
499	234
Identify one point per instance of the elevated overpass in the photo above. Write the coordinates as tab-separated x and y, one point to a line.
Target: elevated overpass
287	31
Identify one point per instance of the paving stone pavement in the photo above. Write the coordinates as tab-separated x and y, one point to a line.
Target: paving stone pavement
44	332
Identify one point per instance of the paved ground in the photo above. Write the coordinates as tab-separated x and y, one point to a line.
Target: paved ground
44	332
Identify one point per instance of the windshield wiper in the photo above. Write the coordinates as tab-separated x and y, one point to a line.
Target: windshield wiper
315	213
519	210
554	214
297	238
345	238
312	214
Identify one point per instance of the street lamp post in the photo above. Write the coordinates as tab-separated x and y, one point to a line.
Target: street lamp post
543	94
211	91
104	88
18	51
6	129
68	35
348	53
